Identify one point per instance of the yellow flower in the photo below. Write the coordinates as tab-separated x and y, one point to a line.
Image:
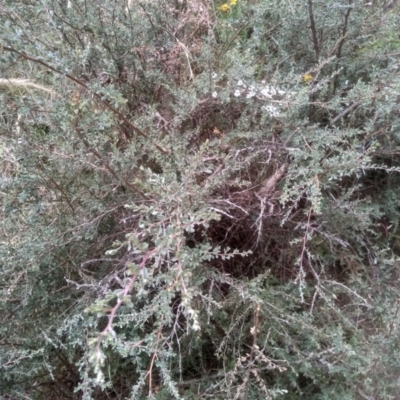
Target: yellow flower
307	78
224	8
233	2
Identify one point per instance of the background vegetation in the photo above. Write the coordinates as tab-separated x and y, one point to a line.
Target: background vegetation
199	200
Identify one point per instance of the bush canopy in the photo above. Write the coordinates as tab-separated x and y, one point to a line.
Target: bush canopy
200	200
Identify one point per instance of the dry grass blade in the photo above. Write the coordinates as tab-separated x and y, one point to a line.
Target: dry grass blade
12	84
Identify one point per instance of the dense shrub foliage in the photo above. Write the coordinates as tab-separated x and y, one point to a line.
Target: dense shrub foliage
199	200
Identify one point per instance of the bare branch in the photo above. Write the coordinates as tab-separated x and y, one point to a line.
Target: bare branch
345	112
314	30
270	184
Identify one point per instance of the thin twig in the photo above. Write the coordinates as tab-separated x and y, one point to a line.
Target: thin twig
254	332
124	293
153	358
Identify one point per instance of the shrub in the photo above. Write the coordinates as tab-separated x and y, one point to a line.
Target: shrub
199	199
